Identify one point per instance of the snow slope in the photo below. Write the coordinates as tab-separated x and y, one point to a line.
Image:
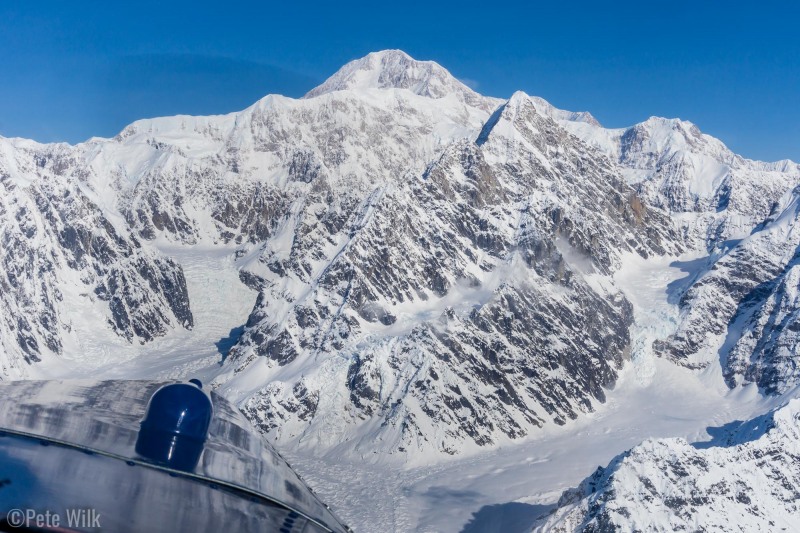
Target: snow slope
745	479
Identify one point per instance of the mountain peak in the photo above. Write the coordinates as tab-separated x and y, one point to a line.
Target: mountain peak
394	69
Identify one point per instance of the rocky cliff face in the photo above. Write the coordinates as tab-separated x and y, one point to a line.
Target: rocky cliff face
740	311
737	310
58	245
459	305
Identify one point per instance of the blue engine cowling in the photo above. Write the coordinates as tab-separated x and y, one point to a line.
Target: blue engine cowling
175	427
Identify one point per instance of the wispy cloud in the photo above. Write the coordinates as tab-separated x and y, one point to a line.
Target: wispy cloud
469	82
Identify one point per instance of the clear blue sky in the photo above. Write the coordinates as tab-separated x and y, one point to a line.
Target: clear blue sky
70	70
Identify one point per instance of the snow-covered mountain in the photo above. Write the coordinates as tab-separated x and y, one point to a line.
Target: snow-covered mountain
437	271
747	478
426	260
444	295
712	194
394	69
738	309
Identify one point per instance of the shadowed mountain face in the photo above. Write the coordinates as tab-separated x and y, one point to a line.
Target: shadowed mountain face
434	267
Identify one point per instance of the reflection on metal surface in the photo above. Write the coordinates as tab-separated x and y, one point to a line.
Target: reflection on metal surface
91	430
175	427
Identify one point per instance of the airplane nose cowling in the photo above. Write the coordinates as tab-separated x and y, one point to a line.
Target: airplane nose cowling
174	429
